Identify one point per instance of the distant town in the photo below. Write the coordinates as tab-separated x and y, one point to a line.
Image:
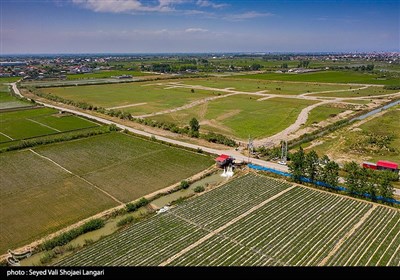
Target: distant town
39	67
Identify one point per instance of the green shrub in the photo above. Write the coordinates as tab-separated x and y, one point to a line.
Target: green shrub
199	189
125	221
66	237
184	185
130	207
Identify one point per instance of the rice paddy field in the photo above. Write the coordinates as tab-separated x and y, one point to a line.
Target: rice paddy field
7	101
49	187
254	220
39	121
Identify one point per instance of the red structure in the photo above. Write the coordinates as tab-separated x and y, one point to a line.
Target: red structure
223	160
382	165
369	165
387	165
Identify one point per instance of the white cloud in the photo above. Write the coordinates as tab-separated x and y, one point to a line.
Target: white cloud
193	30
206	3
247	15
127	6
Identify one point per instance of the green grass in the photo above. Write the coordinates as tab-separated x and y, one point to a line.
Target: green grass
156	97
7	101
30	123
9	79
105	74
38	198
326	77
371	91
321	113
251	85
353	144
241	115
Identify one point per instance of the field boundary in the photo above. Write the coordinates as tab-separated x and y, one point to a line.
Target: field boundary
79	177
12	139
347	235
108	212
218	230
39	123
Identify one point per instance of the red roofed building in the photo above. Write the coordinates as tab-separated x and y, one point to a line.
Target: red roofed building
387	165
223	160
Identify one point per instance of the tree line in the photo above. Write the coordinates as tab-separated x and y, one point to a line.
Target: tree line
358	180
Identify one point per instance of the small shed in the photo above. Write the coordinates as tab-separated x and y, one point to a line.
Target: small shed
223	160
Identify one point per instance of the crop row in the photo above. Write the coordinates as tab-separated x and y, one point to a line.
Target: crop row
214	209
374	243
298	228
146	243
218	251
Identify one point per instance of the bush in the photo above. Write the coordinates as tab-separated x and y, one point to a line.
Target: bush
125	221
66	237
130	207
199	189
184	185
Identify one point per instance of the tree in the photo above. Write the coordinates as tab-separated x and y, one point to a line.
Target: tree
311	164
370	182
255	66
296	165
385	187
284	65
353	178
330	173
194	125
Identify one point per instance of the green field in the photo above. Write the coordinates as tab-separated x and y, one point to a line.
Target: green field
7	101
155	97
23	124
271	87
326	77
321	113
367	142
242	115
255	221
39	197
126	166
371	91
105	74
9	79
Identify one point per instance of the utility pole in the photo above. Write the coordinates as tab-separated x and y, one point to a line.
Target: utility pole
250	148
283	152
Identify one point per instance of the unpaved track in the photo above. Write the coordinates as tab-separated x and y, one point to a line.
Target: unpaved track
127	106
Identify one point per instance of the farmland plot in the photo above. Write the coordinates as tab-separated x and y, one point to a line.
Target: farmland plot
38	197
53	186
23	124
126	166
257	221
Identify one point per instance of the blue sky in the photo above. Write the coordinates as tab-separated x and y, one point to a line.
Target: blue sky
143	26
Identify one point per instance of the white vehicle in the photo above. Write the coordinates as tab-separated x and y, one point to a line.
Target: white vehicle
162	210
